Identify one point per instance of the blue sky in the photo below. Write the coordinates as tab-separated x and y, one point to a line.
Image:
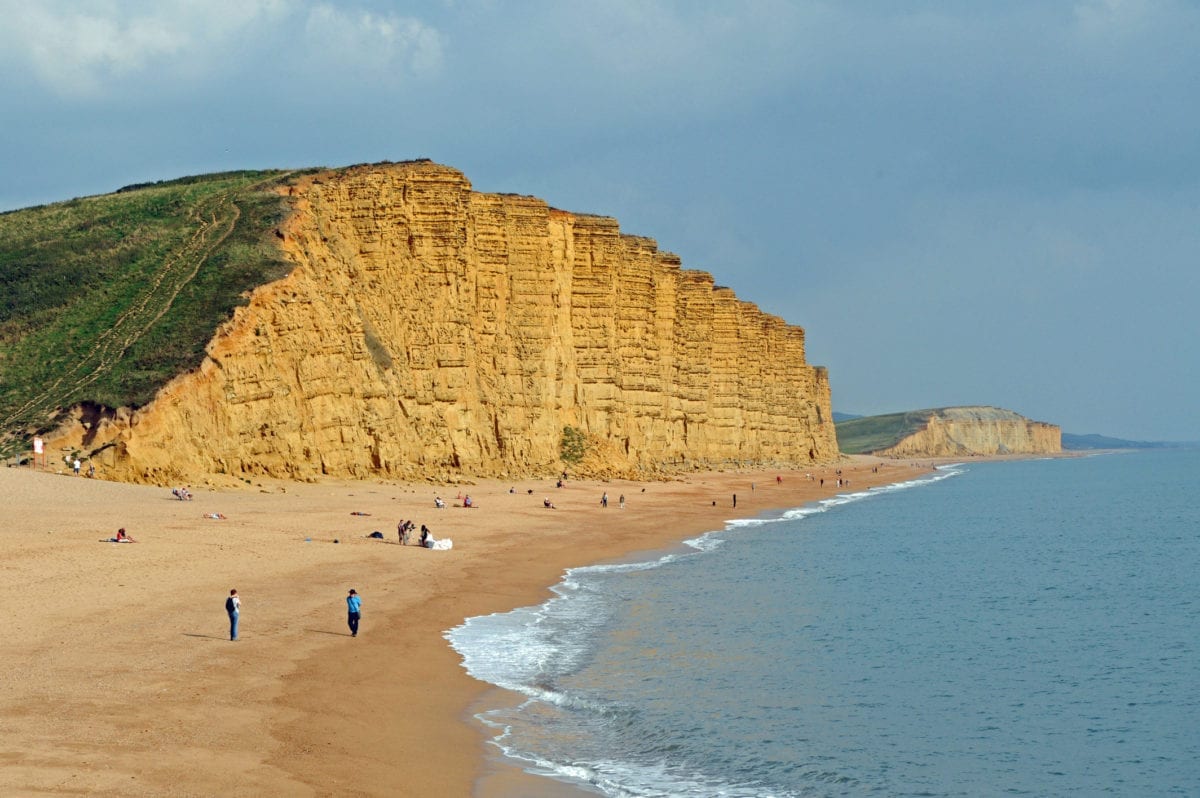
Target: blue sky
973	203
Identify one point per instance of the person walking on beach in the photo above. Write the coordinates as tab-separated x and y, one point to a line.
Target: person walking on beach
354	609
604	499
233	606
621	501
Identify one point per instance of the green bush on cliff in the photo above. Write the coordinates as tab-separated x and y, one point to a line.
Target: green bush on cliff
573	446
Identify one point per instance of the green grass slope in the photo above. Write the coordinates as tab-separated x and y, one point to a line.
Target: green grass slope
869	434
104	299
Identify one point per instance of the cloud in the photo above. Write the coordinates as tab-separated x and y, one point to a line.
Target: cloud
375	41
1107	17
108	49
641	58
84	50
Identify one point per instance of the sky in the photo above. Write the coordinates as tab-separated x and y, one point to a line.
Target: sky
989	203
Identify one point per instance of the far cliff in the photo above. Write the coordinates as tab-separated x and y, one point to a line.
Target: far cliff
426	330
948	432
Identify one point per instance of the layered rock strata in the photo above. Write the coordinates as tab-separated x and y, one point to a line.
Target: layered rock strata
431	331
959	431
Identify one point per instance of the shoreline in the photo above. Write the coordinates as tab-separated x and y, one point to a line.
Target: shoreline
123	681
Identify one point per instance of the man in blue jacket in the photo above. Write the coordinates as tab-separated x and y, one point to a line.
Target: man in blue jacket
354	606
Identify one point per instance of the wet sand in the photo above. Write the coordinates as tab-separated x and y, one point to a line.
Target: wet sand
118	677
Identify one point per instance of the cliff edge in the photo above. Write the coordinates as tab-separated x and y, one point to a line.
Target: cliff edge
430	331
949	432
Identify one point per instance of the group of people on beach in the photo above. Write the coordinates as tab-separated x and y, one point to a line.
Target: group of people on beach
404	531
620	502
233	608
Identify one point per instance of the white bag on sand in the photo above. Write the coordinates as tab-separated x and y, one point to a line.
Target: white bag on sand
440	545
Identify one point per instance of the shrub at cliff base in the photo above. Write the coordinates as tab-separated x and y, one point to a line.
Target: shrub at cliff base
592	456
573	446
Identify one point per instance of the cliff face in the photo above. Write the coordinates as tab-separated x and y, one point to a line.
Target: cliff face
958	431
430	331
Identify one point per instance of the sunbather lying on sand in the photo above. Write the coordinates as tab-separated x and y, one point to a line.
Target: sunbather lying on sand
120	538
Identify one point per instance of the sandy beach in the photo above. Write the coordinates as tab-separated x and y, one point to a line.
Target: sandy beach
119	677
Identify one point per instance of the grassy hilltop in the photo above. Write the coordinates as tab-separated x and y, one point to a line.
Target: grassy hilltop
860	435
104	299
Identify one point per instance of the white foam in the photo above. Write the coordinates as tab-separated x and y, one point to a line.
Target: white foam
737	523
528	649
706	542
628	780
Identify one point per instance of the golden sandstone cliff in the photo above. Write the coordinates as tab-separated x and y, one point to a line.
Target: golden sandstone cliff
431	331
959	431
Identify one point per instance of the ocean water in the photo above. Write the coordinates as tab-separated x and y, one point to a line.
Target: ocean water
1000	628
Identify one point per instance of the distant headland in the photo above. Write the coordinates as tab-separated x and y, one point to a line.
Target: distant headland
948	432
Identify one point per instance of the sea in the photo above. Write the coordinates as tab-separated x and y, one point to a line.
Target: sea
1024	627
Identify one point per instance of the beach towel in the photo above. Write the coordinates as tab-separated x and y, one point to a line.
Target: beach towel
445	544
